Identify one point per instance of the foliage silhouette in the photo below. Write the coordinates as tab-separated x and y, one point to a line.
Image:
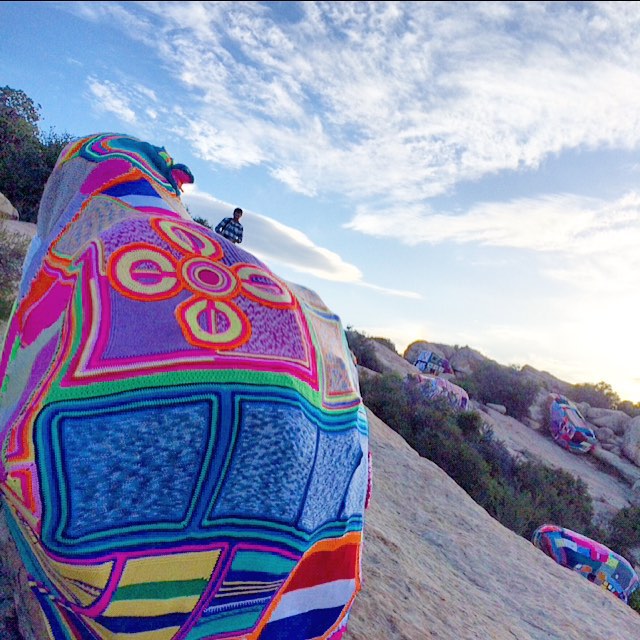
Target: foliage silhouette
492	382
27	155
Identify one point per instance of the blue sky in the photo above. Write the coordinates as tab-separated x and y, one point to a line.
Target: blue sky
458	172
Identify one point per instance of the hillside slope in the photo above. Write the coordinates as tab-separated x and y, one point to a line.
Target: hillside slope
436	565
608	488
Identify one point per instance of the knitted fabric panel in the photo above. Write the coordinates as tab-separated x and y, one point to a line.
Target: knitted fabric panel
184	446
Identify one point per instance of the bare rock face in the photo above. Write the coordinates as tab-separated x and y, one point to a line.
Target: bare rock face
437	566
463	360
20	616
539	410
615	420
7	210
392	362
547	382
630	472
414	349
604	435
466	360
631	441
497	407
20	228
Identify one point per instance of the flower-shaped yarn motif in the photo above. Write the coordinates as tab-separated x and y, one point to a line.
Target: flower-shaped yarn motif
210	317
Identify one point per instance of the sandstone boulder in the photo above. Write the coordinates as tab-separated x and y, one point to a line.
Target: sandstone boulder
622	467
615	420
7	210
605	435
466	360
500	408
391	362
631	441
436	566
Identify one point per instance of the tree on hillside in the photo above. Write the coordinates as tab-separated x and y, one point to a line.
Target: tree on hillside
203	221
599	395
492	382
362	347
27	155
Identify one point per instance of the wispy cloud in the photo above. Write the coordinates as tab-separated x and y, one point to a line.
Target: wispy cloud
564	223
590	243
414	115
107	98
279	244
393	100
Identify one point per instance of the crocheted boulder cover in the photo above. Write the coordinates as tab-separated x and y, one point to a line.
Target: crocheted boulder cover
184	446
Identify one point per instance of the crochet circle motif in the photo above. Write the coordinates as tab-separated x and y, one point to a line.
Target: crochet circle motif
210	317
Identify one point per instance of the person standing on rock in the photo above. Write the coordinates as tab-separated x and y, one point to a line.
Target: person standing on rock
231	228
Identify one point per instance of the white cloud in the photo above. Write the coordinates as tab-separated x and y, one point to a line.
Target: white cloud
272	241
564	223
106	97
393	100
390	105
277	244
591	243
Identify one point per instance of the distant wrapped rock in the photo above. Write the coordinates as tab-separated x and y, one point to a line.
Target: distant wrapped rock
589	558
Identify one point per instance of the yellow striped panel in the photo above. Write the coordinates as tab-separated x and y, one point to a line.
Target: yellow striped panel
62	574
169	568
95	575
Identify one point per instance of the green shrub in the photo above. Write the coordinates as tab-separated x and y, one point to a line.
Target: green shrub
384	396
461	462
470	424
512	508
630	408
363	349
520	495
624	530
599	395
558	497
27	155
492	382
503	465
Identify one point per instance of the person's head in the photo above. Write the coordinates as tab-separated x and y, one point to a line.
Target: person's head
237	213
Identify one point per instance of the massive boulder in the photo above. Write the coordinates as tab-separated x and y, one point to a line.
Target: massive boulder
631	441
184	446
613	419
545	380
7	210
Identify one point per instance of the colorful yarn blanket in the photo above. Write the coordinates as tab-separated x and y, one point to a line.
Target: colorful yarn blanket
568	428
589	558
427	388
184	446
